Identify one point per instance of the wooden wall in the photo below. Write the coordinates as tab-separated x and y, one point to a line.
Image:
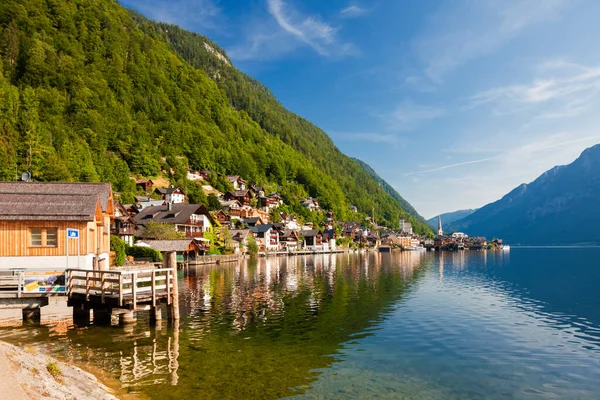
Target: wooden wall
15	241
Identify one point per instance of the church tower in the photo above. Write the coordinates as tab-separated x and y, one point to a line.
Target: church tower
440	230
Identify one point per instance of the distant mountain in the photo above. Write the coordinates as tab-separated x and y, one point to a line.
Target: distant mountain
558	208
450	217
410	210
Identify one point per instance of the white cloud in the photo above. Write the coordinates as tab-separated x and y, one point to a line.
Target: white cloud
352	11
443	167
461	31
311	30
559	90
408	115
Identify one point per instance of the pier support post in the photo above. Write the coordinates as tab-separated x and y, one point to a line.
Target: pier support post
173	308
102	315
32	315
81	315
155	315
127	318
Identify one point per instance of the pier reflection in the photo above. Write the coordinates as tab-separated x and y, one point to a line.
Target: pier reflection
263	328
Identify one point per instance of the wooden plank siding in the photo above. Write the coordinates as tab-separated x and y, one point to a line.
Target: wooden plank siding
15	238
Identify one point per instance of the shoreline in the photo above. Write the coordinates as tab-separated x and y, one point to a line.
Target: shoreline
29	374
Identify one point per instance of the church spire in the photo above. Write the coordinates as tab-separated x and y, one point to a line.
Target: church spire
440	231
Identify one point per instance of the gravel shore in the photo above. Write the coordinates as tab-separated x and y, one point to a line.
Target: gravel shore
27	374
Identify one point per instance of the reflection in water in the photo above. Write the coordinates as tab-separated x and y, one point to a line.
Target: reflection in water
413	324
262	329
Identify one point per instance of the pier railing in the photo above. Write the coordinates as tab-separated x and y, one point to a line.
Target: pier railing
124	287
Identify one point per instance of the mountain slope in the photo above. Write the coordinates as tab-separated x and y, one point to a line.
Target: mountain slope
89	93
390	190
450	217
559	207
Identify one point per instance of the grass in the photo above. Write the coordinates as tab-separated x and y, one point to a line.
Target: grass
54	370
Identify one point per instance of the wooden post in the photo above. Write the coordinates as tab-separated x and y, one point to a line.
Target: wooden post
120	289
102	285
134	289
81	315
153	288
87	285
173	298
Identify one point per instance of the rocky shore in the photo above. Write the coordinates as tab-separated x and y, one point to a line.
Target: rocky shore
27	374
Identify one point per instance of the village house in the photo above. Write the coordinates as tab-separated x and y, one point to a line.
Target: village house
145	185
142	202
252	221
271	201
222	217
191	219
171	195
241	212
237	182
243	196
241	236
123	225
267	237
312	239
185	249
329	239
288	240
404	241
229	205
35	217
311	203
290	221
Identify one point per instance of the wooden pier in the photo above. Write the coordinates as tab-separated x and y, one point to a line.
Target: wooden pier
122	293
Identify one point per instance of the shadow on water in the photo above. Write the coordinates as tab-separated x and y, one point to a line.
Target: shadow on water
266	328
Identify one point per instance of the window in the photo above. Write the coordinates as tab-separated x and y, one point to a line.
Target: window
36	237
43	237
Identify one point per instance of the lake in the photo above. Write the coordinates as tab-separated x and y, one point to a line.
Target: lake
523	324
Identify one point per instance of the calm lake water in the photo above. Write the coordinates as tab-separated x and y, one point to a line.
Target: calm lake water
522	325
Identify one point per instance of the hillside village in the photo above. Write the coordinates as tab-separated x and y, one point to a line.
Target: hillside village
249	219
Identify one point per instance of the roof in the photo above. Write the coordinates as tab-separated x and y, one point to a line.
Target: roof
239	193
168	190
252	220
261	228
168	245
309	232
48	207
101	190
175	214
286	233
239	234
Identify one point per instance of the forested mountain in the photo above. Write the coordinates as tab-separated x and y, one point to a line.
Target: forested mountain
390	190
93	92
450	217
558	208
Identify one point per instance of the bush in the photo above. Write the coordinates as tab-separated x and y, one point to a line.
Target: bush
252	246
120	248
145	253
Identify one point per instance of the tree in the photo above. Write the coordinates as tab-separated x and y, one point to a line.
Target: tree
195	193
161	231
120	248
213	203
252	246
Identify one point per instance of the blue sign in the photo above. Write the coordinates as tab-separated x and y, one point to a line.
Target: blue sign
73	233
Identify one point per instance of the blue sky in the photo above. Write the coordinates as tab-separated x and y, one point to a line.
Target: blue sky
454	103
